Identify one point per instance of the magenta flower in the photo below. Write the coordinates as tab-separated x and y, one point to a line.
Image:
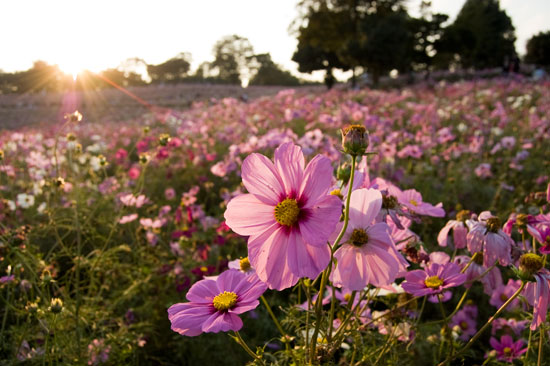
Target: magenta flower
487	235
433	280
412	200
288	215
544	238
215	304
368	255
538	294
507	349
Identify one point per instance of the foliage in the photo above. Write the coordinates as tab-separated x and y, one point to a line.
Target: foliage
481	36
538	49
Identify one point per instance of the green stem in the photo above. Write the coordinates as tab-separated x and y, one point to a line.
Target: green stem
247	349
489	322
326	272
448	334
541	337
274	318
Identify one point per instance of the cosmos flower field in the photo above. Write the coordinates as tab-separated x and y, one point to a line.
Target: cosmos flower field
420	217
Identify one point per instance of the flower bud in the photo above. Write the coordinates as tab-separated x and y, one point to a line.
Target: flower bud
74	117
355	140
56	305
164	139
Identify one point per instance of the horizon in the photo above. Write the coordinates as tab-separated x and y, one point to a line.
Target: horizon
102	40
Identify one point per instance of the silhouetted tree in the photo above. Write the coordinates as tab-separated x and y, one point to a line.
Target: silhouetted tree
481	36
322	38
538	49
173	70
269	73
232	59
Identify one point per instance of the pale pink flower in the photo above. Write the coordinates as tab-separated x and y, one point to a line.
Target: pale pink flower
368	254
288	215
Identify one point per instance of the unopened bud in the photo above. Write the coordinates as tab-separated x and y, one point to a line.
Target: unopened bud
74	117
56	305
164	139
355	140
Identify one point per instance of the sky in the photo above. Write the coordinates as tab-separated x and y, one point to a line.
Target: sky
100	34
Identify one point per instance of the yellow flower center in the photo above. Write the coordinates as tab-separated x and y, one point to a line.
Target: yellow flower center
225	301
503	297
287	212
507	351
493	224
204	269
414	203
337	192
463	215
463	325
530	262
347	297
244	263
359	237
521	220
433	282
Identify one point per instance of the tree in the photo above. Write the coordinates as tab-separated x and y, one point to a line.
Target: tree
269	73
232	59
428	31
322	37
174	70
386	41
482	36
538	49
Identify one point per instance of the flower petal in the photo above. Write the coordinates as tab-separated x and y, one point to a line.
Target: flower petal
247	215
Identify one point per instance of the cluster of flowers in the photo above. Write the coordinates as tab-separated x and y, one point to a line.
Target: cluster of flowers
174	212
299	226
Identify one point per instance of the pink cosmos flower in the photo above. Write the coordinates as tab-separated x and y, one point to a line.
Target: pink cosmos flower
133	173
128	218
368	255
412	200
503	292
544	235
288	215
487	235
434	280
215	304
460	230
538	294
525	222
465	320
511	325
491	280
507	349
483	170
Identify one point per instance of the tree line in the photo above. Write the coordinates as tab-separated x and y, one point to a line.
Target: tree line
235	62
368	37
378	36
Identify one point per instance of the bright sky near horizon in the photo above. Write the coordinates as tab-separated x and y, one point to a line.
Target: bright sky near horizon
100	34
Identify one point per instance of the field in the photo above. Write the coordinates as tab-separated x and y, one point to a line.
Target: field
108	220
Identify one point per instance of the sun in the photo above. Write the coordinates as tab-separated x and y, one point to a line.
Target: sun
71	67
